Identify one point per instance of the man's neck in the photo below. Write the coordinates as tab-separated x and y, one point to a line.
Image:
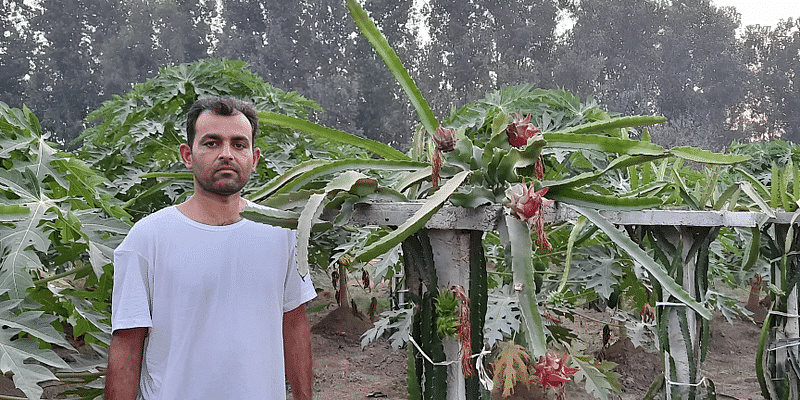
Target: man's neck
211	209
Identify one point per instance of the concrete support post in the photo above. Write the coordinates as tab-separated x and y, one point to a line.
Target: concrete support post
451	257
682	360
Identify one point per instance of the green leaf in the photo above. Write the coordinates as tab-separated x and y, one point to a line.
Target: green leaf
35	323
615	123
381	46
762	190
346	181
475	196
13	212
573	236
602	143
412	178
584	199
27	376
334	135
273	185
415	223
521	245
184	176
310	213
707	157
271	216
516	158
655	269
775	187
748	189
344	165
600	382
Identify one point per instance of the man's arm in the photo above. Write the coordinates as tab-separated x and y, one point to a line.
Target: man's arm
124	364
297	352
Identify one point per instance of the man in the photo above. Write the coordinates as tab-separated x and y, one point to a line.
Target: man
206	304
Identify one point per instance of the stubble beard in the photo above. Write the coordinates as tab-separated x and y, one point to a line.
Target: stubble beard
222	186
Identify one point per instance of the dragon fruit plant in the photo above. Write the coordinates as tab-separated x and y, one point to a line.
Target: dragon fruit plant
514	147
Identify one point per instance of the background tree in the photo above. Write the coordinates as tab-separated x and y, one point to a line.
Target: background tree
700	62
679	59
477	45
15	40
773	96
64	85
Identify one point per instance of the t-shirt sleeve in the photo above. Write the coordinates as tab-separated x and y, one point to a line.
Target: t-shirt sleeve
297	290
130	301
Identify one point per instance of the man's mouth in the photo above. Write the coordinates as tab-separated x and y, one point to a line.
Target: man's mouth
227	169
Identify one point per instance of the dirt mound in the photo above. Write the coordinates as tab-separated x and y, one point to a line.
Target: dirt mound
342	322
637	368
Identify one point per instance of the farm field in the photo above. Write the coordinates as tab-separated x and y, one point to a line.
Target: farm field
343	371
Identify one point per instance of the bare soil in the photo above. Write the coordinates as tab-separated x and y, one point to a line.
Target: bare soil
343	371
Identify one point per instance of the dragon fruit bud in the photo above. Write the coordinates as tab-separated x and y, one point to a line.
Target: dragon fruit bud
445	139
526	204
520	130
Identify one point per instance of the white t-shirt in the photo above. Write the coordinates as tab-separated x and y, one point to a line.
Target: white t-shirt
213	298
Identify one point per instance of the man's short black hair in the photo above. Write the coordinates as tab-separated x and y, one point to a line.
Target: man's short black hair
220	106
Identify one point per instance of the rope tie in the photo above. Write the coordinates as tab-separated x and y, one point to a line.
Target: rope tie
483	377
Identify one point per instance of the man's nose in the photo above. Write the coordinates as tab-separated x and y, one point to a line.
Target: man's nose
226	152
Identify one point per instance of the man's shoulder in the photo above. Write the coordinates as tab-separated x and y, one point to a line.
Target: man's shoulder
148	229
169	212
165	215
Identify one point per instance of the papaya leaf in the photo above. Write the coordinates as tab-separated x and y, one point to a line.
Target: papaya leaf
502	315
31	322
600	380
27	376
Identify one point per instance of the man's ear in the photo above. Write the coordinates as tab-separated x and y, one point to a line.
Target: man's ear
256	156
186	155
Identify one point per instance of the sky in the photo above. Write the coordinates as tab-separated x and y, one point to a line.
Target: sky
763	12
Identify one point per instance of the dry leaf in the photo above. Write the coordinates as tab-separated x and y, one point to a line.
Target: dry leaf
511	367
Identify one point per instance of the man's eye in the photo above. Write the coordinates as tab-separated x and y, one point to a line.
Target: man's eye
210	144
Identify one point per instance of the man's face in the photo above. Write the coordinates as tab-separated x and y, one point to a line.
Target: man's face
222	156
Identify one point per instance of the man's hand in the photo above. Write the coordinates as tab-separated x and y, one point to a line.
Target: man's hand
125	364
297	352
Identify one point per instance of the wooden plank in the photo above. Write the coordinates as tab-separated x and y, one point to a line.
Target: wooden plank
483	218
676	217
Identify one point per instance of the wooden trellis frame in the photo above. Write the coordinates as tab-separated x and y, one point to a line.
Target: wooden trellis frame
449	230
